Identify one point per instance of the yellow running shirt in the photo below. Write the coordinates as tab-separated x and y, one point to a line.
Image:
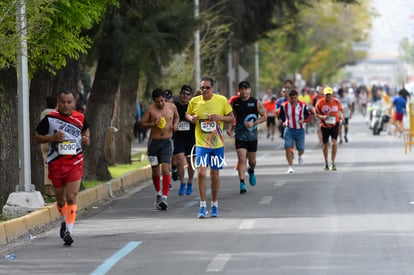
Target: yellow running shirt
209	134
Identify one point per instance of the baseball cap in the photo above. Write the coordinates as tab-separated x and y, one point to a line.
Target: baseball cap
328	91
167	94
244	84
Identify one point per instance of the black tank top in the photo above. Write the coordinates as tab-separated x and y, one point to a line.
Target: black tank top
245	111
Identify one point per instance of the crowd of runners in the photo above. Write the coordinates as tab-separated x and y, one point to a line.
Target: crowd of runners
187	135
189	132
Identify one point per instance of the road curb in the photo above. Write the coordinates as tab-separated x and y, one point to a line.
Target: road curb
19	227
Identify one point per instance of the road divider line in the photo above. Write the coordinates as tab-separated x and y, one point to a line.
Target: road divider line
110	262
266	200
247	224
218	263
279	183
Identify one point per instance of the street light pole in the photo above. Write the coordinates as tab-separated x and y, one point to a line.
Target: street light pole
26	199
256	67
23	102
197	69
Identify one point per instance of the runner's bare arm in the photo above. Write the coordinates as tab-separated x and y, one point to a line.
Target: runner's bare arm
146	122
226	118
57	137
86	140
176	118
191	118
262	112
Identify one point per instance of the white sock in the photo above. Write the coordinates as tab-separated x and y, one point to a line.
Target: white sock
69	228
214	203
203	203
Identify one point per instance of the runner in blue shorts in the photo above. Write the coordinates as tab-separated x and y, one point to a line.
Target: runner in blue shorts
294	114
208	112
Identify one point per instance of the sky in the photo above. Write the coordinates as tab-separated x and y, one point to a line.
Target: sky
390	27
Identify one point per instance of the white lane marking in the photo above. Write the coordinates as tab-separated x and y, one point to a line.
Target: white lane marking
280	183
218	263
263	156
247	224
266	200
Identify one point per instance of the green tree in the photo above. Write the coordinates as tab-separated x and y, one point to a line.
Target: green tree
139	37
314	44
54	41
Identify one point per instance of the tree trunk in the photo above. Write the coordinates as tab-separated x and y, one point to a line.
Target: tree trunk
99	115
124	118
42	85
9	146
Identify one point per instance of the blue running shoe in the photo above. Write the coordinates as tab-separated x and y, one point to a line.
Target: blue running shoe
214	212
189	189
252	178
202	213
183	188
243	188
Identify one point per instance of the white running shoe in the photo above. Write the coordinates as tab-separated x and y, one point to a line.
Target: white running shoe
290	170
300	161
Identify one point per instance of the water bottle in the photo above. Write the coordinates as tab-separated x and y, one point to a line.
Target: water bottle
10	256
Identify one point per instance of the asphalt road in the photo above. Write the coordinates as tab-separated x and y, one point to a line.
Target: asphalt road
356	220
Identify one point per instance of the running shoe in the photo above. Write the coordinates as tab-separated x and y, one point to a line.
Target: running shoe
175	174
346	139
163	204
183	188
189	189
333	167
62	229
202	213
290	170
300	160
170	187
326	167
243	188
214	213
158	200
67	238
252	178
340	141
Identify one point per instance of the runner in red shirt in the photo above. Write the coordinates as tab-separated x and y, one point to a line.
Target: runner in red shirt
270	106
66	131
329	111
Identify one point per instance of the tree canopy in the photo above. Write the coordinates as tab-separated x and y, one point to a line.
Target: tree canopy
53	31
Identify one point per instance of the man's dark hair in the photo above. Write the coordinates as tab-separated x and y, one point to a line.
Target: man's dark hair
209	79
157	93
51	102
65	92
293	92
186	88
289	81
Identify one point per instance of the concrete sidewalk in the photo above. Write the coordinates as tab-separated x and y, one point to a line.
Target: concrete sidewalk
23	226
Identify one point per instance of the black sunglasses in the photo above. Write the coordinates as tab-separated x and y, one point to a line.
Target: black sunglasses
186	93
